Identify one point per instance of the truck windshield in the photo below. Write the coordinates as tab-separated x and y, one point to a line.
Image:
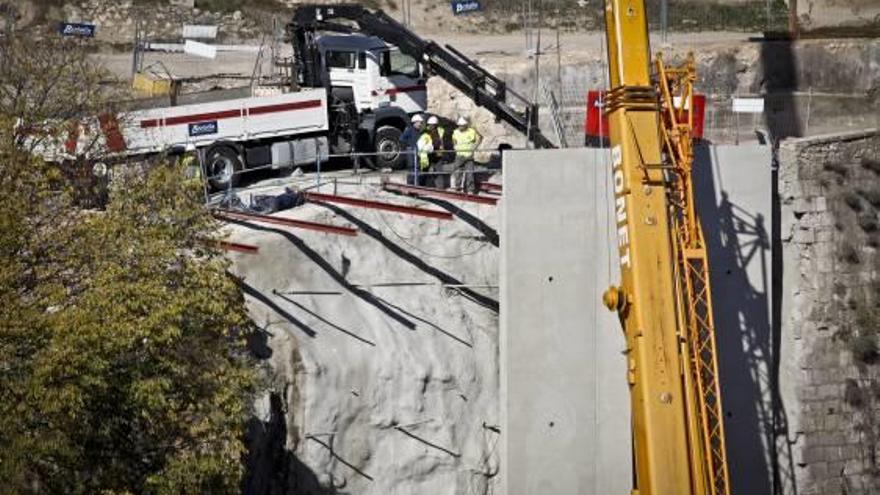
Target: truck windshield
395	63
340	59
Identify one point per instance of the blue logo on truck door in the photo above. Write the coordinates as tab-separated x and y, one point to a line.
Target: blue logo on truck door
203	128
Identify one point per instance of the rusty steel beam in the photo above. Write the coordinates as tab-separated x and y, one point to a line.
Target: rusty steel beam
488	186
377	205
235	246
438	193
288	222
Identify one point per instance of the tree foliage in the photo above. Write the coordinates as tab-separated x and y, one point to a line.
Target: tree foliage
123	364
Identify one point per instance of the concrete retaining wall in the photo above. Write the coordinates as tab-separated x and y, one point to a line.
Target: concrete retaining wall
564	400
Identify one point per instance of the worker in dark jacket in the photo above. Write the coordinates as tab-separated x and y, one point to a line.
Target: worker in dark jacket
410	138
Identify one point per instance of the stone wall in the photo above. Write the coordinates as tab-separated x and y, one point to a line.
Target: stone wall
830	379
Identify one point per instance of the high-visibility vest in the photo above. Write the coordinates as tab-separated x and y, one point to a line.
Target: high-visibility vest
465	141
425	145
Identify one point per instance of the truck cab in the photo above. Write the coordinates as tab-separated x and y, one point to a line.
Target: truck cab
383	85
377	74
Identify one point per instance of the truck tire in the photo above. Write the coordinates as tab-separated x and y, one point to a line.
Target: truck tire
222	164
388	148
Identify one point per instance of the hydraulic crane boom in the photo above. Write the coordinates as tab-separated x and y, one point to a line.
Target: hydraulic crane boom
464	74
664	299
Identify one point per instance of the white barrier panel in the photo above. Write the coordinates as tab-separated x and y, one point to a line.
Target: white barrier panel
748	105
196	31
179	47
199	49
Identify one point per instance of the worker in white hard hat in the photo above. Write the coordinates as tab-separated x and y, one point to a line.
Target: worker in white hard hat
465	139
431	157
410	138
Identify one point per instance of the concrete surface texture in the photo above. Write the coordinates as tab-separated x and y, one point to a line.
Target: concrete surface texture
384	380
734	201
564	401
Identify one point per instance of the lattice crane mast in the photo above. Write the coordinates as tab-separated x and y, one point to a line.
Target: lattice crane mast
664	298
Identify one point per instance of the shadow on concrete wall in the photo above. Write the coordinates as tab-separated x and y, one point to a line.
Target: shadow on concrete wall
414	259
778	63
779	83
325	265
747	339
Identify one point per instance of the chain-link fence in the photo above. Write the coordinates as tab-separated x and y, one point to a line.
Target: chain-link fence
790	114
831	17
732	15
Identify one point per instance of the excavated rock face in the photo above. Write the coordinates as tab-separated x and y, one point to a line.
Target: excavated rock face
383	368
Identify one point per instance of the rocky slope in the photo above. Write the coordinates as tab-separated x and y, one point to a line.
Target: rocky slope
384	369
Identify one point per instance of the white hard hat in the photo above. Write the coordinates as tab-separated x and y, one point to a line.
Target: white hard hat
433	120
417	118
462	120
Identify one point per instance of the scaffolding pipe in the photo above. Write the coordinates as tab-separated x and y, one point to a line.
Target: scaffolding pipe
288	222
438	193
238	247
376	205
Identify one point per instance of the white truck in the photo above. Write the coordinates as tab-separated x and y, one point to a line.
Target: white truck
357	89
367	92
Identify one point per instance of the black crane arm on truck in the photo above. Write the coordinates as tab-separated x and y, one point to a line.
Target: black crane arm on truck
464	74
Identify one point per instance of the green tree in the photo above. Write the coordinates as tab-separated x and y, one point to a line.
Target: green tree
123	364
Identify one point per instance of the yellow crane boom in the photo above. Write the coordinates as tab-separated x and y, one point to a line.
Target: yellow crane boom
664	298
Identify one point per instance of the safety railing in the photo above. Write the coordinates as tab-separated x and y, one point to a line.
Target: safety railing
443	164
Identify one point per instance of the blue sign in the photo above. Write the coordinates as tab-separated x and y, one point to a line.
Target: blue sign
465	6
203	128
77	29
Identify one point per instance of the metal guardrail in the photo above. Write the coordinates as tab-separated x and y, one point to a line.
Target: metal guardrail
555	114
228	195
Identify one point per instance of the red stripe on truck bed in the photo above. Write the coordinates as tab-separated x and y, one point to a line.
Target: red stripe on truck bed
284	107
228	114
405	89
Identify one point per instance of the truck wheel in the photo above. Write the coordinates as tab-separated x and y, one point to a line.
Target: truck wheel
388	148
222	163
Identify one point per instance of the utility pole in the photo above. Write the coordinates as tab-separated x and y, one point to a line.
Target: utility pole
558	55
664	19
793	25
538	54
136	50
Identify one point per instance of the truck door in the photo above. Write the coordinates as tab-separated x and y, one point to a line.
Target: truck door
400	82
348	74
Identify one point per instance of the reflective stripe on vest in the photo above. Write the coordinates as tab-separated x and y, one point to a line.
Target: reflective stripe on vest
465	141
424	146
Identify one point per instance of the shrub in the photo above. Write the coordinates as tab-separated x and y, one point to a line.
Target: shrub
853	200
871	195
871	164
836	167
233	5
853	394
864	349
849	254
868	222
